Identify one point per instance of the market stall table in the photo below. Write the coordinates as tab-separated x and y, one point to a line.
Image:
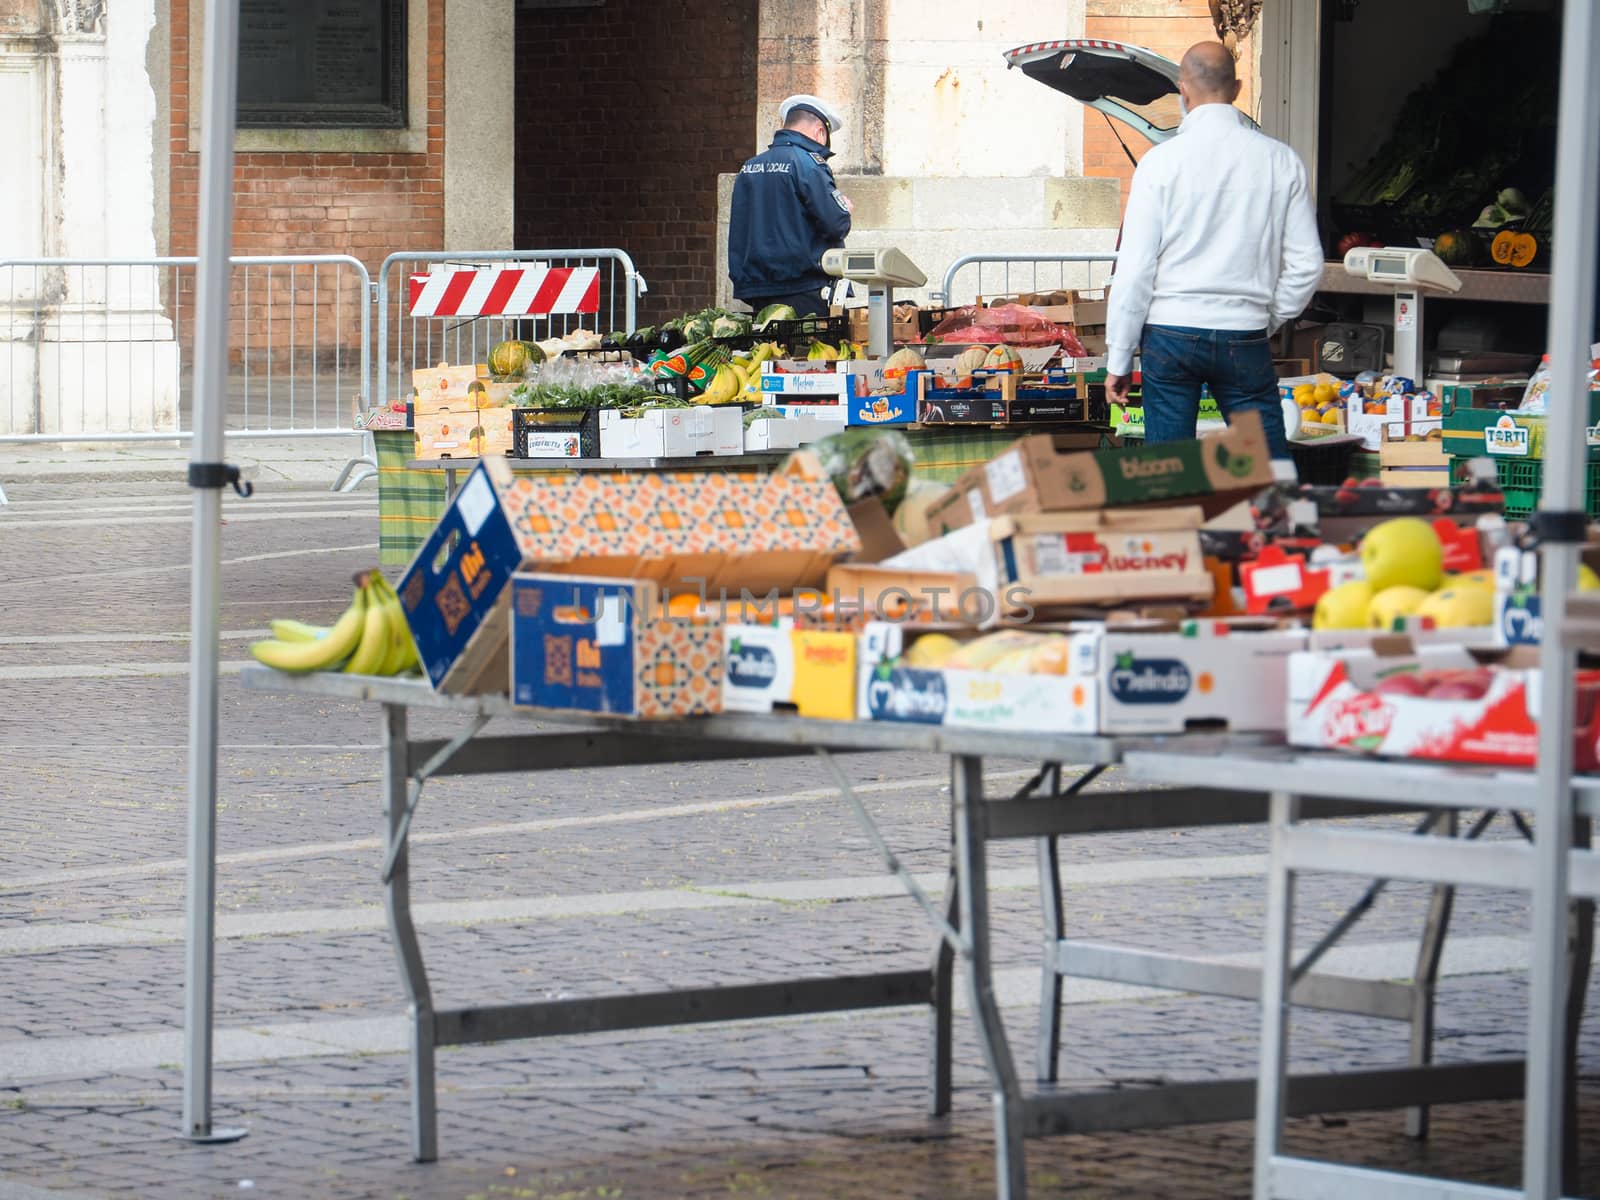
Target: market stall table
567	741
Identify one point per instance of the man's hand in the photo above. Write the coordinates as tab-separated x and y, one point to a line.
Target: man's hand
1117	388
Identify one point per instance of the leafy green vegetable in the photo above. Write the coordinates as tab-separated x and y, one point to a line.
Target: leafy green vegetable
566	395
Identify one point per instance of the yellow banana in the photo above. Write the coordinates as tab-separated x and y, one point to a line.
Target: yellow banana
402	651
374	646
287	630
324	653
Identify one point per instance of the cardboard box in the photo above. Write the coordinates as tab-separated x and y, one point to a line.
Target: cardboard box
713	533
888	690
906	325
1165	678
1415	477
1495	392
1334	705
494	433
812	671
445	382
492	393
1402	414
607	646
1042	474
446	432
672	432
867	592
792	430
1042	561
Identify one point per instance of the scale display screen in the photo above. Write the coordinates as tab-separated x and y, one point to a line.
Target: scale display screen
860	262
1389	266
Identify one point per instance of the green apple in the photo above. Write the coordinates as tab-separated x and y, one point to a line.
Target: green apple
1404	552
1343	607
1391	604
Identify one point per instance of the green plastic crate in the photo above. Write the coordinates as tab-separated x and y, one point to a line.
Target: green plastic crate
1522	480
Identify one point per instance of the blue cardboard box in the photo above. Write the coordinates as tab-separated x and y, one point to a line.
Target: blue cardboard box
455	590
608	646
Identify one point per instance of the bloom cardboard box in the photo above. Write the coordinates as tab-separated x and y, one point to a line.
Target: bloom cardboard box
607	646
1165	677
1434	701
1035	561
672	432
711	532
1046	472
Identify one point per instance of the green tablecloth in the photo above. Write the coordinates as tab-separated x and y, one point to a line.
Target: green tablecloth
411	502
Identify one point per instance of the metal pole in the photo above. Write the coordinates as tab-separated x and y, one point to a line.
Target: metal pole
207	476
1571	325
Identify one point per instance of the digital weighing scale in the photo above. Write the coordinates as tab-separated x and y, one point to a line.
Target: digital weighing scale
881	271
1407	271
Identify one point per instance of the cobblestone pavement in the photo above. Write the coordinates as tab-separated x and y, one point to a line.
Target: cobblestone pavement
572	884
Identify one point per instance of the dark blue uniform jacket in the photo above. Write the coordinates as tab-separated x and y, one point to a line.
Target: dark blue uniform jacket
786	211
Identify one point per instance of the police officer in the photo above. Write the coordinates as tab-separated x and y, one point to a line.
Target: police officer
786	211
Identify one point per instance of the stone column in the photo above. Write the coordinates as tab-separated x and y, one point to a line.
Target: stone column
83	349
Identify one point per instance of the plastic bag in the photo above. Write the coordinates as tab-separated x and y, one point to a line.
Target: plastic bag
1533	396
867	462
1008	324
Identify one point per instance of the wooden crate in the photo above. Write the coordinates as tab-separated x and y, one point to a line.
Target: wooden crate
1395	451
1414	477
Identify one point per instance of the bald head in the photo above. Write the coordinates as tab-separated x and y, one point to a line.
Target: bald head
1207	75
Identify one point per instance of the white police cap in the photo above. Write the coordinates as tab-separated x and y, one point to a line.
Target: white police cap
813	105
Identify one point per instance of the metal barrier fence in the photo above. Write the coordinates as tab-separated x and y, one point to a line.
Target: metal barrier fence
455	306
1008	274
98	349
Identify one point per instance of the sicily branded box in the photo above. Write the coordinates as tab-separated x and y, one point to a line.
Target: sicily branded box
1435	701
607	646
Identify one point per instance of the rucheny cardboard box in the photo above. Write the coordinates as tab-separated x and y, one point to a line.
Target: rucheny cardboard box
1048	472
711	533
1042	561
607	646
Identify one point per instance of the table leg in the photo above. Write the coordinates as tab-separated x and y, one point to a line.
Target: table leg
943	1017
449	484
397	903
1271	1082
1424	982
969	818
1580	950
1050	969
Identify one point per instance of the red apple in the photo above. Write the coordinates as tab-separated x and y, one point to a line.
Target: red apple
1373	482
1403	683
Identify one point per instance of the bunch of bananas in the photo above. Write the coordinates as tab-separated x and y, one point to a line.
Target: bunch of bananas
370	637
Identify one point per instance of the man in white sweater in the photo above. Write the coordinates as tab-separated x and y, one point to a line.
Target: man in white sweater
1219	248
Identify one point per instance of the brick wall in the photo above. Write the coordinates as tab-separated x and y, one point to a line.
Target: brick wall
1164	27
365	205
626	114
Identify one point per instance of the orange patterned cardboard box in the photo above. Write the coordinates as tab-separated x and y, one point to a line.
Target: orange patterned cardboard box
606	646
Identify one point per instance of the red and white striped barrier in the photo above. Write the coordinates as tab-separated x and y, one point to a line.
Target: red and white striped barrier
506	292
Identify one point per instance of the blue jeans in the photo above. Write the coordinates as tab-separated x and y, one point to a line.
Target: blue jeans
1235	363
